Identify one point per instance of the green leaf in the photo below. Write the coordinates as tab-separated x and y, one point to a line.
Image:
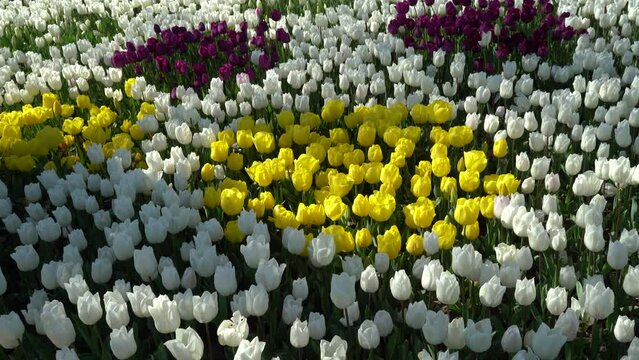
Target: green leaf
161	353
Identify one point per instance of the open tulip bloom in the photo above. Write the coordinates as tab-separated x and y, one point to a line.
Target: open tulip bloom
259	179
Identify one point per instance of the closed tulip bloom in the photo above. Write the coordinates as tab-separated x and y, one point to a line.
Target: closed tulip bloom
539	168
568	323
205	307
11	330
89	308
187	345
430	275
250	350
257	300
342	290
299	335
322	250
600	301
447	288
556	300
165	314
478	335
56	325
334	349
232	331
525	292
617	256
455	339
255	250
435	328
492	292
400	285
316	325
631	281
116	310
368	335
26	257
547	343
382	262
624	329
593	238
300	288
511	341
415	316
122	343
225	281
269	274
369	282
384	322
291	309
619	171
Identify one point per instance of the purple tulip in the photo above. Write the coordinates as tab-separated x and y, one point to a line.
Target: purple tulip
276	15
182	66
282	36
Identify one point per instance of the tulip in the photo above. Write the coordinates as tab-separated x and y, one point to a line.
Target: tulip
255	251
322	250
455	339
233	331
547	343
631	281
478	335
300	289
556	300
568	323
291	310
141	299
299	334
539	168
257	300
316	325
293	240
56	325
351	315
205	307
600	301
368	335
115	308
225	281
431	274
435	328
382	262
511	340
447	288
343	290
122	343
165	314
624	329
617	256
400	286
525	292
269	274
368	280
187	345
26	257
89	308
492	292
415	316
334	350
11	330
250	350
593	238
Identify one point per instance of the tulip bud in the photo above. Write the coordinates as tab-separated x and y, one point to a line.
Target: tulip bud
400	286
12	330
511	341
299	336
316	325
525	293
556	300
89	308
478	335
122	343
624	329
368	335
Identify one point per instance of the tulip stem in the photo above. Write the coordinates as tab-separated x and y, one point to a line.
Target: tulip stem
209	342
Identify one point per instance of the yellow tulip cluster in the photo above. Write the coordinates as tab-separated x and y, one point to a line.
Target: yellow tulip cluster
374	169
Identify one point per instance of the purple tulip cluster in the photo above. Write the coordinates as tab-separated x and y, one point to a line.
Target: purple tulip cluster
529	29
200	54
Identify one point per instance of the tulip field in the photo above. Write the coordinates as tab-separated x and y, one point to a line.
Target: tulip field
306	179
